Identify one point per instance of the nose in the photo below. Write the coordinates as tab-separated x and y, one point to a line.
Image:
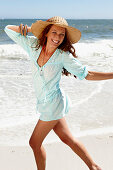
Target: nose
57	37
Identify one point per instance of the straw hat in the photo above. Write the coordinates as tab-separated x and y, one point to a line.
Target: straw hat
74	34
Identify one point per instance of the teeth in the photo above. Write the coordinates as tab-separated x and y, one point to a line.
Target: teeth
55	41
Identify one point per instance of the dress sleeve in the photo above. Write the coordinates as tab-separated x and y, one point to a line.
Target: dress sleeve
25	42
74	66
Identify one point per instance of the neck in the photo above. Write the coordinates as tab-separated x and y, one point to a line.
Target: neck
49	49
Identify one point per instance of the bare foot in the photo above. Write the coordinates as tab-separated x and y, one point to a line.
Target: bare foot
95	167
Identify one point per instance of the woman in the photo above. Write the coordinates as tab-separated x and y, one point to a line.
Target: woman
49	51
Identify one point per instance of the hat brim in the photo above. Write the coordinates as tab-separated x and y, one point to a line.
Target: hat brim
74	34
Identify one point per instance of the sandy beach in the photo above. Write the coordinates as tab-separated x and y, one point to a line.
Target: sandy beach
59	155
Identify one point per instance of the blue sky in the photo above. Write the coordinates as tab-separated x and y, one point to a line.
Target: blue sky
76	9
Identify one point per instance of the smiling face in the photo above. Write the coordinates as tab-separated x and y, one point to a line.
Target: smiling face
55	36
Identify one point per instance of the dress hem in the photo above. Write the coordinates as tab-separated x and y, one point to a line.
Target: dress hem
55	118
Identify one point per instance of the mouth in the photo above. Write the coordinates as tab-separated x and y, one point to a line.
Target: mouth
55	41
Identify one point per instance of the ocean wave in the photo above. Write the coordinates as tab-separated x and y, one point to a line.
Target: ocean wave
97	54
87	48
12	122
12	51
97	90
97	131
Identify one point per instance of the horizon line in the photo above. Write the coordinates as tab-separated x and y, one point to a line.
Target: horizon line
65	18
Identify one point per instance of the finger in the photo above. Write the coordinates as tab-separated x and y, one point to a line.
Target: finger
25	30
21	29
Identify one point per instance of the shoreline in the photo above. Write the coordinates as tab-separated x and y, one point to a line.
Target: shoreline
59	155
53	138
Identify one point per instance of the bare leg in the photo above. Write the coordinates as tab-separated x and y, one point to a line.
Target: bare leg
81	151
40	132
40	158
63	132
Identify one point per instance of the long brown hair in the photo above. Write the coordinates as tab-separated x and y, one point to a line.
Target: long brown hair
64	46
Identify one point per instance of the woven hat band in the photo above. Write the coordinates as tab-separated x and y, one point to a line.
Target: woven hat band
58	20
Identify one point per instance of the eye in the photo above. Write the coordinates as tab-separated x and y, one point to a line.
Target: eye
54	32
62	35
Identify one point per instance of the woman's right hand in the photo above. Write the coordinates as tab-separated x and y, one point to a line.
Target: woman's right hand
23	30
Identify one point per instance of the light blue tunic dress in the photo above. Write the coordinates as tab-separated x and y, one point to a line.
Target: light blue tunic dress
51	101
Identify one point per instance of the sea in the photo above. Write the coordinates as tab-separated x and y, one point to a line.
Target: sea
92	101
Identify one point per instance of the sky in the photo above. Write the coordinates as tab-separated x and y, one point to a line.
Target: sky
71	9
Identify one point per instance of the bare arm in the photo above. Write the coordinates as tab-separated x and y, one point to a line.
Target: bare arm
92	75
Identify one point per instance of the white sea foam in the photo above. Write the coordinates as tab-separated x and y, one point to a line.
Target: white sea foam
97	90
98	55
93	51
97	131
12	50
102	48
12	122
15	76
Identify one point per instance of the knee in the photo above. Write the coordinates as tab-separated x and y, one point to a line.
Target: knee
34	145
31	143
